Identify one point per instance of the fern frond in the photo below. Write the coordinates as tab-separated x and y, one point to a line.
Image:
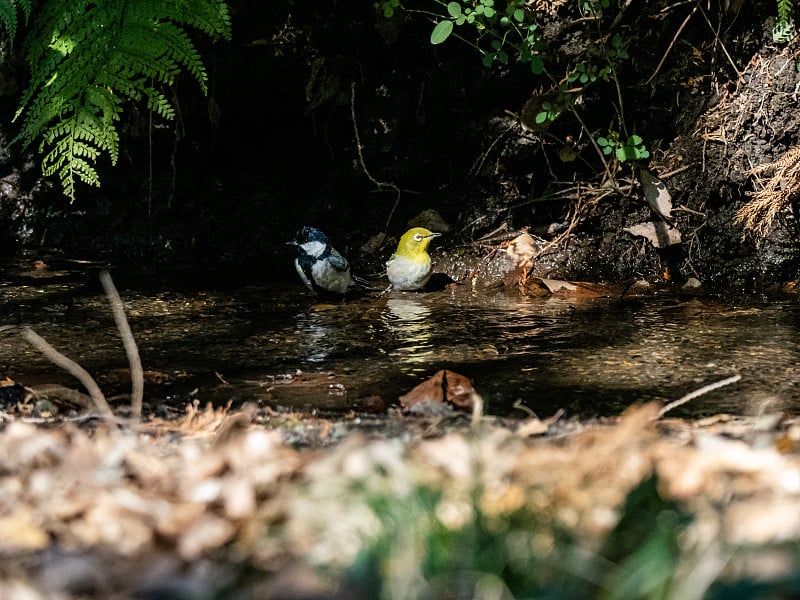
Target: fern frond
88	59
785	8
8	14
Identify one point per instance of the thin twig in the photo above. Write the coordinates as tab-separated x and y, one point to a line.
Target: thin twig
131	350
606	168
669	174
721	45
695	394
73	368
478	164
359	148
672	43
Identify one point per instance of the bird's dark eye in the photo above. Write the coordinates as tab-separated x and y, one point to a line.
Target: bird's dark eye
417	237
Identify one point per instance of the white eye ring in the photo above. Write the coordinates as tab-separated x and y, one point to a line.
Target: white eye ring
417	237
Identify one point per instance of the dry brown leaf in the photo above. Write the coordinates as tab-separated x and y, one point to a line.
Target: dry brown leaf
532	427
444	386
205	533
577	289
20	531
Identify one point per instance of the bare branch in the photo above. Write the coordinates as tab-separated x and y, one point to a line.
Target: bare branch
73	368
131	349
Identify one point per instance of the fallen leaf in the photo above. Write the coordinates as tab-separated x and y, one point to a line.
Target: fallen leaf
444	386
205	533
531	427
578	289
558	285
659	234
656	193
20	531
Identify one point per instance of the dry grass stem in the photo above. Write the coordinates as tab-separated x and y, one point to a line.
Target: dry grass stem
131	349
697	393
778	191
73	368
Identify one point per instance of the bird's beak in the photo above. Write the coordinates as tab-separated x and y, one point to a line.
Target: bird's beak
291	243
433	235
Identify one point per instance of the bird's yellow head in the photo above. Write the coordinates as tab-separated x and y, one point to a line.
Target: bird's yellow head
414	243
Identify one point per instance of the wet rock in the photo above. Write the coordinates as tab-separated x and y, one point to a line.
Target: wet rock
430	219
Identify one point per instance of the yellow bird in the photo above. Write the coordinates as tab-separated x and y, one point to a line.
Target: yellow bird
409	268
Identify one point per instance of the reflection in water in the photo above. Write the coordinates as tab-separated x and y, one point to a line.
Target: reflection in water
315	342
590	357
408	318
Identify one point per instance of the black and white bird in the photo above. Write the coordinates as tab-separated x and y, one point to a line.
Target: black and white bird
319	265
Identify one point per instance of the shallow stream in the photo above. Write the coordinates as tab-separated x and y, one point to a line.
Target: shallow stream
217	336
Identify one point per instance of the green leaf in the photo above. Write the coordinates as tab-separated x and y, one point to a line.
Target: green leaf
441	32
541	118
519	15
624	153
454	9
634	140
489	12
89	58
537	65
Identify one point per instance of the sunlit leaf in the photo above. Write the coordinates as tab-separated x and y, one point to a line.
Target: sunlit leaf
441	32
656	193
454	9
658	233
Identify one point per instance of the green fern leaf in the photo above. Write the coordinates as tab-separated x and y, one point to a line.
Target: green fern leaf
89	60
8	14
785	8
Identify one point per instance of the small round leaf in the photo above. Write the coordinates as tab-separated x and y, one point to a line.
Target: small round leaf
454	8
441	32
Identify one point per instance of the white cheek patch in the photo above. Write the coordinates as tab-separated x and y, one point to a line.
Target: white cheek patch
314	249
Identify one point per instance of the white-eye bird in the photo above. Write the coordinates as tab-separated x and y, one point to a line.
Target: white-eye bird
319	265
409	268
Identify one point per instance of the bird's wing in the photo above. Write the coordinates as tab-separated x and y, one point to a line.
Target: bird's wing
338	261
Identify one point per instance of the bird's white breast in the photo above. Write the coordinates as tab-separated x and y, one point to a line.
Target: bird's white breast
407	274
315	249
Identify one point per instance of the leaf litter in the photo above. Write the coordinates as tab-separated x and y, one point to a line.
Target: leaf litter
251	503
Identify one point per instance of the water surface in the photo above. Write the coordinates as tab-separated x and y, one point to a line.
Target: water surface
219	337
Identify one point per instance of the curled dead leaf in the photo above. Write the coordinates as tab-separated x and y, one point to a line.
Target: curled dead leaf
444	386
